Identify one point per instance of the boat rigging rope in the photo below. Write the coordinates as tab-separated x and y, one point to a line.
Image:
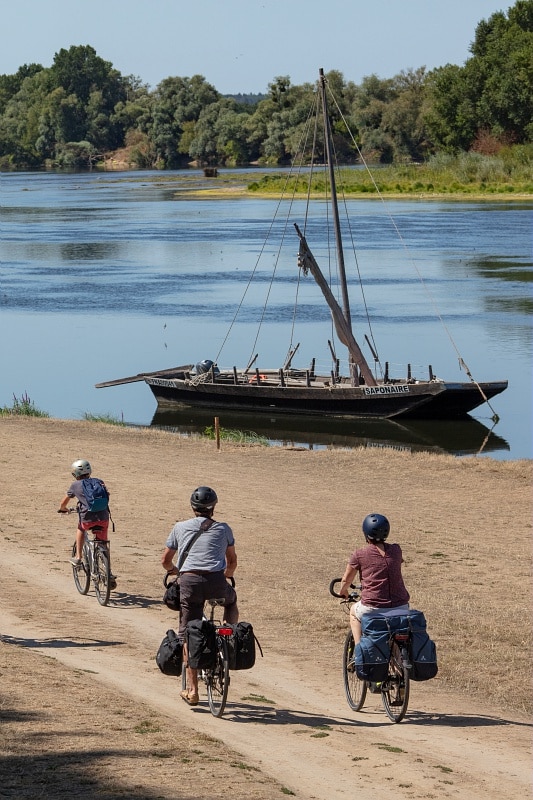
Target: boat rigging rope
201	377
252	275
373	346
431	299
292	175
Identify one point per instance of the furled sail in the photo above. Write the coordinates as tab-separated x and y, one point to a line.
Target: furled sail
307	262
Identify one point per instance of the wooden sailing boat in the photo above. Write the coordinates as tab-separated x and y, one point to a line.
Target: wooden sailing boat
287	390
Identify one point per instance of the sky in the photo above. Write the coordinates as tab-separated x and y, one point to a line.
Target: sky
240	46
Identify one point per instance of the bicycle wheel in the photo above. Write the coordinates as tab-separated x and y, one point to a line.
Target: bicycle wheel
217	679
82	574
102	576
395	689
354	687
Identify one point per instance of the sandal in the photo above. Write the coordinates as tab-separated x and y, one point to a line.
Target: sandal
190	697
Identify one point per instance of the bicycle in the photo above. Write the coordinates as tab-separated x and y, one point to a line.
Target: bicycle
216	678
95	565
394	689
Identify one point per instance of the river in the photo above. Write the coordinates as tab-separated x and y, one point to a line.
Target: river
105	275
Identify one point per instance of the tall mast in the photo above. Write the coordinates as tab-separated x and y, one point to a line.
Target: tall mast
334	204
357	358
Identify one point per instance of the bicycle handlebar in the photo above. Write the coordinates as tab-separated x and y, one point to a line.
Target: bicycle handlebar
352	597
67	511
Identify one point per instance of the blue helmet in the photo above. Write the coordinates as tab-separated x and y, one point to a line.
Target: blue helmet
206	366
376	527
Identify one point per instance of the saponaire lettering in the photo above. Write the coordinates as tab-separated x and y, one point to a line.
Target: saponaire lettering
399	389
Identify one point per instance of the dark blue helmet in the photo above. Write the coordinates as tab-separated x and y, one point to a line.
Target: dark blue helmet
376	527
205	366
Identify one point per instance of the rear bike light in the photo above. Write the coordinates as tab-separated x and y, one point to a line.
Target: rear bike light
225	631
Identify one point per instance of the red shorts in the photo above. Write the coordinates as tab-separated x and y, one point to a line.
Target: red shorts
102	524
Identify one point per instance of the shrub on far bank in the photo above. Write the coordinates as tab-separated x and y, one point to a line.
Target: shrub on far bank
23	407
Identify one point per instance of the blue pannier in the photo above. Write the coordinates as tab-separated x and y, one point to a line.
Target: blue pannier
372	658
399	623
423	657
423	652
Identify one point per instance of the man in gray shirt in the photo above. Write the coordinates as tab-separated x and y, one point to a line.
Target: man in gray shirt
202	575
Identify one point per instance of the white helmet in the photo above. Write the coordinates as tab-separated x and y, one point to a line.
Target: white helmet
81	468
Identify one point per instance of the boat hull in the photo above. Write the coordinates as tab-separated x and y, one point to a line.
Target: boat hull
424	400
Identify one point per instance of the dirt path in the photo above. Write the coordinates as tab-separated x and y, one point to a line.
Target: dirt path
287	725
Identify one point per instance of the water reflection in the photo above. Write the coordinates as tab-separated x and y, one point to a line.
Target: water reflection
459	438
505	269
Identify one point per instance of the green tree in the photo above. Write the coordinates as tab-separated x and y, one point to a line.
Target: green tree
93	88
20	124
220	136
275	128
369	106
11	84
493	92
72	102
177	101
403	117
450	117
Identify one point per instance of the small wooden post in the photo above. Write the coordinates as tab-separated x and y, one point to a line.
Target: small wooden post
217	432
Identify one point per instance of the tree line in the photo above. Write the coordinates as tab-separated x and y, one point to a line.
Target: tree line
72	114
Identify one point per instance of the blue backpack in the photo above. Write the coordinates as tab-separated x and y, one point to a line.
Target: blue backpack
96	495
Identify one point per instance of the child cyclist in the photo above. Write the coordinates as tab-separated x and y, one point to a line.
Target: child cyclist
81	469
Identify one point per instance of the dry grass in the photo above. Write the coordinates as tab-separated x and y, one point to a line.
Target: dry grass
79	740
296	515
464	525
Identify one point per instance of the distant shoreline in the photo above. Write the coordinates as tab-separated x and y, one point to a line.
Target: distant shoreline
228	185
214	194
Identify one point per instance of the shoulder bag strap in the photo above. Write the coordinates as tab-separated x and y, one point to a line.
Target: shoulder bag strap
203	527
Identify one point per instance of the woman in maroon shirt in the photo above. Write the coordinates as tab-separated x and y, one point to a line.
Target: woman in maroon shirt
379	566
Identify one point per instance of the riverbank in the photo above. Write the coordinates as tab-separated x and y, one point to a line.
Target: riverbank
85	703
268	183
451	516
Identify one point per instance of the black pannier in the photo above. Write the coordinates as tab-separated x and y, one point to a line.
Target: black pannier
201	644
171	598
241	646
169	657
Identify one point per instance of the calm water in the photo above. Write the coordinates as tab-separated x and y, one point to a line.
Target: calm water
104	276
